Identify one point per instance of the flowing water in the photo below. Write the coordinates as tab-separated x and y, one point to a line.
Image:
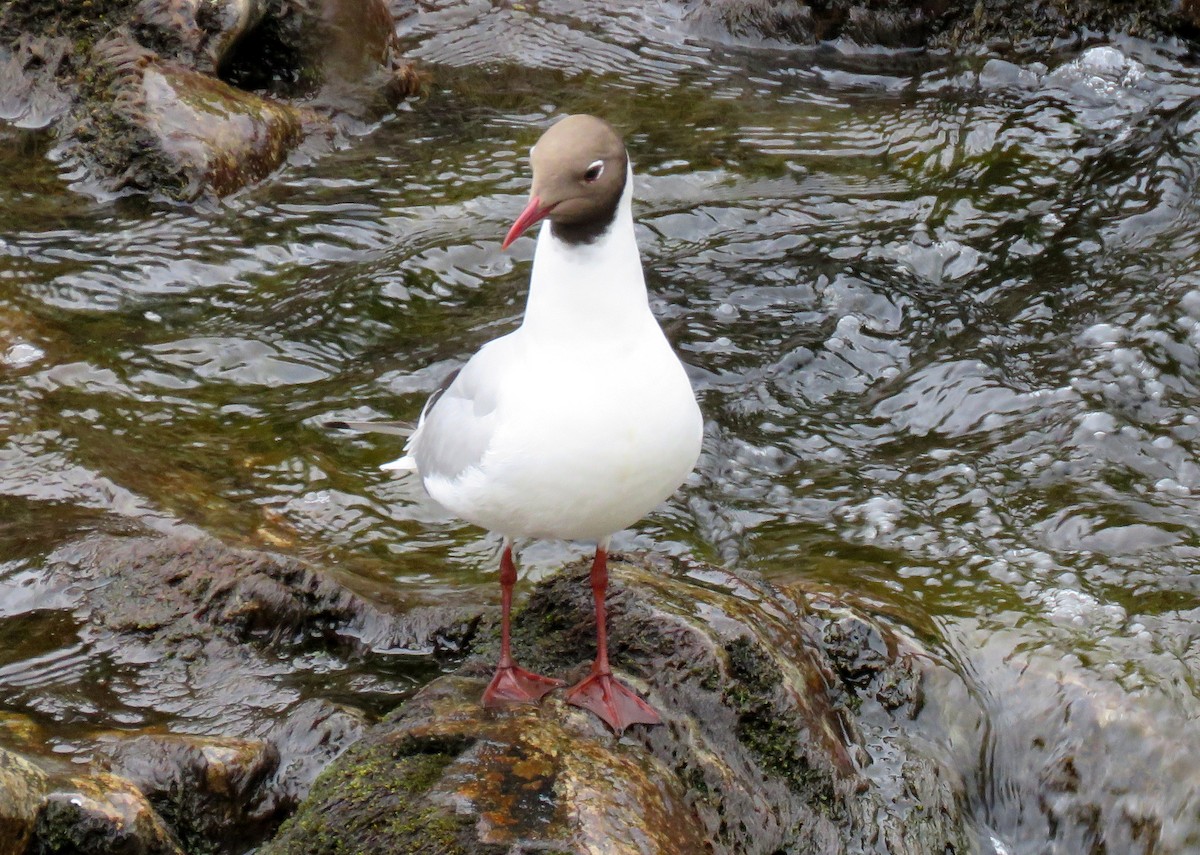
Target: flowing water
943	315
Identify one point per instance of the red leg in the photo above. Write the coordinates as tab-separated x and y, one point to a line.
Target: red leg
615	704
512	685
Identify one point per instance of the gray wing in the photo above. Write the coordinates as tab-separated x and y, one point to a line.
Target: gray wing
459	422
395	428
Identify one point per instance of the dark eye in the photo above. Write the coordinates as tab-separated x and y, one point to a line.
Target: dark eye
594	171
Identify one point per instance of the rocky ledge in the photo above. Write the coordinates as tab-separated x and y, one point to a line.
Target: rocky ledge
221	643
787	728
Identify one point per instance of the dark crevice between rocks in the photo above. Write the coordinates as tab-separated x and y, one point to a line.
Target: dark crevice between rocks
270	58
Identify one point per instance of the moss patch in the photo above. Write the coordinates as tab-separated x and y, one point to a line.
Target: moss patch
769	729
372	800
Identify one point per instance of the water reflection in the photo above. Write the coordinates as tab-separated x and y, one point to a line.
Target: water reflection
944	317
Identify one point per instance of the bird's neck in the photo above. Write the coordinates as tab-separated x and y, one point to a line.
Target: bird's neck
593	289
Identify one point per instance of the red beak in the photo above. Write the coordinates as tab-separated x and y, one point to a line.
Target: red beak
533	212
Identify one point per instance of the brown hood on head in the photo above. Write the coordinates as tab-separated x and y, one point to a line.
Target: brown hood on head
579	170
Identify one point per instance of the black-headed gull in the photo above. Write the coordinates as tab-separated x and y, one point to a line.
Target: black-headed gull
581	421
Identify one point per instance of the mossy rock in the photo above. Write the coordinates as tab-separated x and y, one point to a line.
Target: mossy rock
155	95
764	745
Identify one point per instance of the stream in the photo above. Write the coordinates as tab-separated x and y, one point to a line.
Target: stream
942	314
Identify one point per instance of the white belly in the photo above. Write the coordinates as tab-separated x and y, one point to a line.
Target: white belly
585	445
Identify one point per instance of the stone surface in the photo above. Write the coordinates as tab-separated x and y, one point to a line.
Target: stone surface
22	788
797	720
156	125
214	793
100	814
441	777
179	587
774	739
199	33
219	640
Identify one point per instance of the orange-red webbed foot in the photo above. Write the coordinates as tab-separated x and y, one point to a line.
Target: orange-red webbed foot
513	685
612	702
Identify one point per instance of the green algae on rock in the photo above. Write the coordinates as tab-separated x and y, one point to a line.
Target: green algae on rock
442	775
203	630
156	125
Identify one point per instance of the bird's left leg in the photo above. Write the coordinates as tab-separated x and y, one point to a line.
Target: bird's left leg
511	684
600	692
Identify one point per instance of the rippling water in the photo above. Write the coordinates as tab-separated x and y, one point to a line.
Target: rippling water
943	316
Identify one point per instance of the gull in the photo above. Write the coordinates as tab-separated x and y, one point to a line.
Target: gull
582	420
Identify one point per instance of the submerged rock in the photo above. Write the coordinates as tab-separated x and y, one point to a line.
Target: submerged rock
785	730
180	587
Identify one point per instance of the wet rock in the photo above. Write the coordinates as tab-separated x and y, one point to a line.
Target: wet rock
939	23
157	125
213	792
198	33
29	94
100	814
310	737
1009	21
218	793
442	777
154	95
894	24
20	730
769	743
22	788
182	587
218	640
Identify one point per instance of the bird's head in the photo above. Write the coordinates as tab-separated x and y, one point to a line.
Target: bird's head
579	172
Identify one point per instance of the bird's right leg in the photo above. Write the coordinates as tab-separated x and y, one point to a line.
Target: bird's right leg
512	685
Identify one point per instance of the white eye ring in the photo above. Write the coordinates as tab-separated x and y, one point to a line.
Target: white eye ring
596	166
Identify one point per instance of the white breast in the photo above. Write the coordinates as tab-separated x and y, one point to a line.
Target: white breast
587	443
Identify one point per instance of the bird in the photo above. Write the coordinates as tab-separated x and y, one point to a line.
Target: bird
579	422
